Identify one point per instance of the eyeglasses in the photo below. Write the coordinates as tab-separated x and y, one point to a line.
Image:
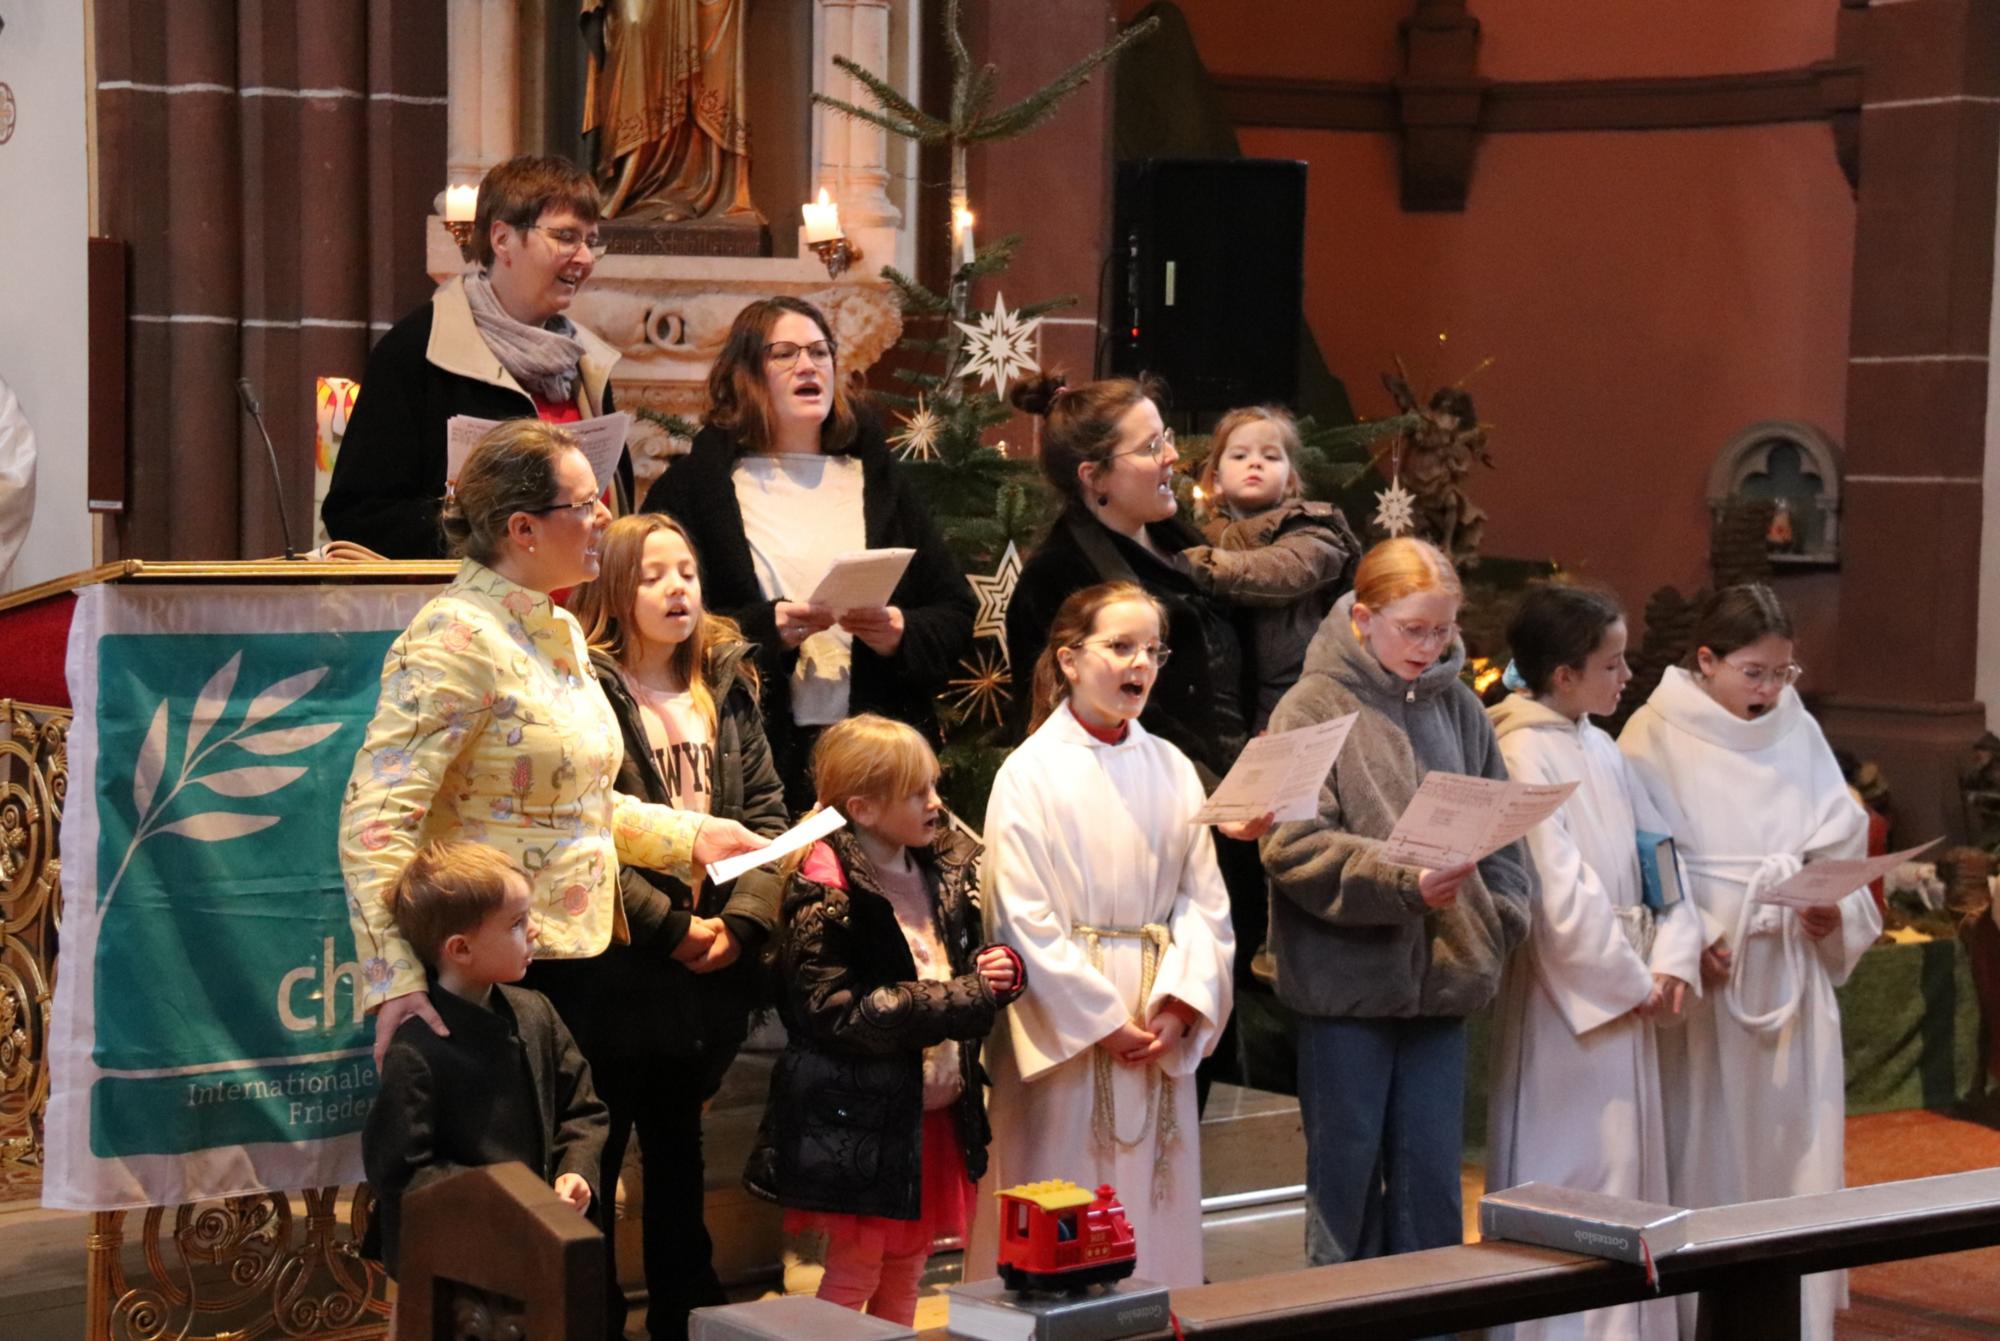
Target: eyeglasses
580	511
1759	676
1153	450
1425	635
785	353
567	241
1129	651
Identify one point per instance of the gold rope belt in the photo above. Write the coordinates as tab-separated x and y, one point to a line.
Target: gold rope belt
1160	1121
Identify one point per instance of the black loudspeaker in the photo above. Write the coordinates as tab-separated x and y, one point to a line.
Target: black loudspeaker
1209	259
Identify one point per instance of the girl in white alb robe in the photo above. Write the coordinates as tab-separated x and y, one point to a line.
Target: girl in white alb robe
1575	1098
1089	843
1754	1083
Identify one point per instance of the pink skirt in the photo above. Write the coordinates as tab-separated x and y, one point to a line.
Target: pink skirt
946	1205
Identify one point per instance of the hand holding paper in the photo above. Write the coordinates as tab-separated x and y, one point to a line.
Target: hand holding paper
1454	819
1821	883
1278	775
803	834
862	579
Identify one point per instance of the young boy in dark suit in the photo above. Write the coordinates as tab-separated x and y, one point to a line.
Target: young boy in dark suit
507	1082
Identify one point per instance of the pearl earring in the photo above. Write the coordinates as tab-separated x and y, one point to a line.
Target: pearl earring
531	549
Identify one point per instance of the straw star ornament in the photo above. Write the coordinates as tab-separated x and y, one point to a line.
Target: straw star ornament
1000	346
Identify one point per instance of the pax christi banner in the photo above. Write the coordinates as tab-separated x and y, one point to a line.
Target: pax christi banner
207	1039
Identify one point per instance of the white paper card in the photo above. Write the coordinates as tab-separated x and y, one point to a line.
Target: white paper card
803	834
602	440
1454	818
861	579
1279	775
1820	883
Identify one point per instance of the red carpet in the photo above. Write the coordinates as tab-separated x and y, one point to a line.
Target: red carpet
1955	1297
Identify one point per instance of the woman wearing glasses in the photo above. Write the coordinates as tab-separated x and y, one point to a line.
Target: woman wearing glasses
491	344
785	476
1754	1092
1381	961
490	728
1110	457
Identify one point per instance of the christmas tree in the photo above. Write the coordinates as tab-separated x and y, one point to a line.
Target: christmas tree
951	393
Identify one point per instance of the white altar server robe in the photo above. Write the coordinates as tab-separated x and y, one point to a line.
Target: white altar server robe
1575	1098
1755	1087
1084	833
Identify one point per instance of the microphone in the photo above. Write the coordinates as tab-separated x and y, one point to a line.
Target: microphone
256	413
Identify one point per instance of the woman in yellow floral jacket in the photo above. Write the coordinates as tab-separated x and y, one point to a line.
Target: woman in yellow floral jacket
491	728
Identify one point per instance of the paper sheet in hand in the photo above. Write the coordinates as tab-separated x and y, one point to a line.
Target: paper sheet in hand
602	440
1279	775
1454	818
1821	883
862	579
803	834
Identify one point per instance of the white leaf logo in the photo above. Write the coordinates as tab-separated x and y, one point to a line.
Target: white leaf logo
209	704
249	781
152	759
287	740
282	695
218	826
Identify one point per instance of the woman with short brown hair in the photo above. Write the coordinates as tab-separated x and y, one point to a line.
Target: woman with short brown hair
493	343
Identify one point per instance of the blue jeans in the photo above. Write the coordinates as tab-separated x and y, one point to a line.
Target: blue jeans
1383	1103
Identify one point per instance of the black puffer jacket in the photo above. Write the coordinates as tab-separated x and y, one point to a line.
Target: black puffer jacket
843	1130
636	1000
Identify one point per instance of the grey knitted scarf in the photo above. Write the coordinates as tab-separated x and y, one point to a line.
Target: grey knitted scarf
541	358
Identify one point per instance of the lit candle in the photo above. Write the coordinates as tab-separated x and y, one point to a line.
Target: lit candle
961	219
461	203
822	219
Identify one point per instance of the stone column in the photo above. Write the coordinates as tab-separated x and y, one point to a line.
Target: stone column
484	118
1917	390
853	154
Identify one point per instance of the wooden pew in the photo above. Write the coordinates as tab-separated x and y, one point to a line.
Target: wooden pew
493	1252
1744	1261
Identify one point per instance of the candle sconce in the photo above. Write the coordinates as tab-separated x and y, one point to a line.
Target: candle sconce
837	254
461	233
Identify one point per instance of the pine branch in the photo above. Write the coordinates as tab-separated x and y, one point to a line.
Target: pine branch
991	260
873	118
983	86
961	57
1047	306
1039	106
672	423
891	99
911	295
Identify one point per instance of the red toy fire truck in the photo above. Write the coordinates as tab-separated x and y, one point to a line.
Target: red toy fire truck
1057	1236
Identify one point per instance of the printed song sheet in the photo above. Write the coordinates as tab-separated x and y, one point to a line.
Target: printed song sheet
602	440
1279	775
1454	818
803	834
862	579
1826	882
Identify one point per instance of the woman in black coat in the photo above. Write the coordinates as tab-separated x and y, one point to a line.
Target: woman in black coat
1110	457
662	1012
494	343
785	475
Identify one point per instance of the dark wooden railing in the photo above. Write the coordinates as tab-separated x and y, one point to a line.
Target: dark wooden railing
1743	1261
492	1253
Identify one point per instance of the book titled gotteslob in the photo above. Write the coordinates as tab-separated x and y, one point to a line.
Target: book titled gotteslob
1577	1221
988	1311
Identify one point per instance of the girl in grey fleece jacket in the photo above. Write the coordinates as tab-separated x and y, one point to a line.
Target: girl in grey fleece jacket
1382	962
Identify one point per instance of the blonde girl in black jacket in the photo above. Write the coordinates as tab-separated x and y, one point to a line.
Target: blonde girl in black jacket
876	1127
